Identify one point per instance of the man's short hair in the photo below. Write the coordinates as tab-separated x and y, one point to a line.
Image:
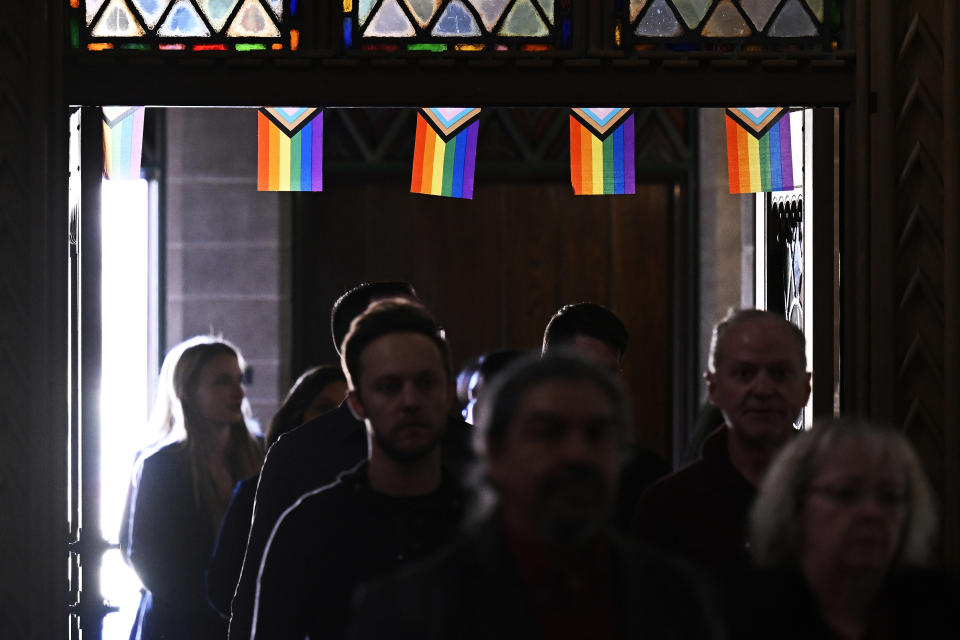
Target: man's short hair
585	319
352	303
385	317
735	316
499	404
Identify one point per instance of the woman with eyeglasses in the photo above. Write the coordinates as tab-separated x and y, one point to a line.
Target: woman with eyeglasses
842	533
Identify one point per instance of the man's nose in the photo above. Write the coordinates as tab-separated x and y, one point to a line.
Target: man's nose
575	447
409	395
763	384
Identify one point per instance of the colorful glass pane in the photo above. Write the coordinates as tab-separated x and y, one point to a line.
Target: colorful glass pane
547	6
183	21
692	11
117	21
423	10
456	21
92	7
726	22
759	11
217	11
252	21
523	20
277	6
793	22
490	11
636	6
151	10
817	7
389	22
659	22
363	10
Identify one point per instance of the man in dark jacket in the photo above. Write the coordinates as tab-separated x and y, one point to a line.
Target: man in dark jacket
314	454
757	377
546	563
395	507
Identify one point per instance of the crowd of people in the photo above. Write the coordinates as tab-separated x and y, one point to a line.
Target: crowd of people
373	507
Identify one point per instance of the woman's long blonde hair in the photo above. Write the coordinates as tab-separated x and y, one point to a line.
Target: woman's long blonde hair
176	420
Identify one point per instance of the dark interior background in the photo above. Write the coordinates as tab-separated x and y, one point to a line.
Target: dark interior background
495	268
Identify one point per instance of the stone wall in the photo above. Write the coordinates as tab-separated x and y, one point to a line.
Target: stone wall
227	246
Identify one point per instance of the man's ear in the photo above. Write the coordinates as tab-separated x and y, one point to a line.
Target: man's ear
355	406
711	381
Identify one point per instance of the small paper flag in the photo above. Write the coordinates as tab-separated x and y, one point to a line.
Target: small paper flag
122	142
759	149
602	151
445	152
290	149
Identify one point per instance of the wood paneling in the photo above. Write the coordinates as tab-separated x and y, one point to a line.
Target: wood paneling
496	268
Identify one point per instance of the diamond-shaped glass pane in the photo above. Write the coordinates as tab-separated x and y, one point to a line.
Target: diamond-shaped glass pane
636	6
117	21
726	22
692	11
759	11
659	22
183	21
793	22
252	20
217	11
490	11
817	7
523	20
363	10
151	10
455	21
389	22
423	10
547	6
92	7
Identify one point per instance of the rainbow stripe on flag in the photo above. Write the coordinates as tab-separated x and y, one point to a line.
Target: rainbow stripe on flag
290	149
445	152
602	151
122	142
759	150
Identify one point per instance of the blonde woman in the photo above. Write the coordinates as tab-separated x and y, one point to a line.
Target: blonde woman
842	534
182	485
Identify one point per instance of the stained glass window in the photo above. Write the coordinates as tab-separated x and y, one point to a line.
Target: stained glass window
727	24
457	25
177	25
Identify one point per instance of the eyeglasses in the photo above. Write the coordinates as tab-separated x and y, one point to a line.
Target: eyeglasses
852	495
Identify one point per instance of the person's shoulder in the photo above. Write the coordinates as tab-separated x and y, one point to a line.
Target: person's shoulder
684	480
338	494
319	430
162	455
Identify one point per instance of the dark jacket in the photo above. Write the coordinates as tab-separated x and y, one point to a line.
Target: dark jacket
168	539
223	571
700	512
777	603
473	591
309	457
333	538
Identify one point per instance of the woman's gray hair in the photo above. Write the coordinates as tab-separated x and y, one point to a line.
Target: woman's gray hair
775	534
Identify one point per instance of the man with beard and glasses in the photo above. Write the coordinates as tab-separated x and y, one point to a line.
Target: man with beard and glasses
543	560
396	506
756	375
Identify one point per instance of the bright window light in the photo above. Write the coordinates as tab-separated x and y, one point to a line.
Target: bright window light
125	219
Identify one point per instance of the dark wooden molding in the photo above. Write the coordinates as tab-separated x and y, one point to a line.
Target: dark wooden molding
695	79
